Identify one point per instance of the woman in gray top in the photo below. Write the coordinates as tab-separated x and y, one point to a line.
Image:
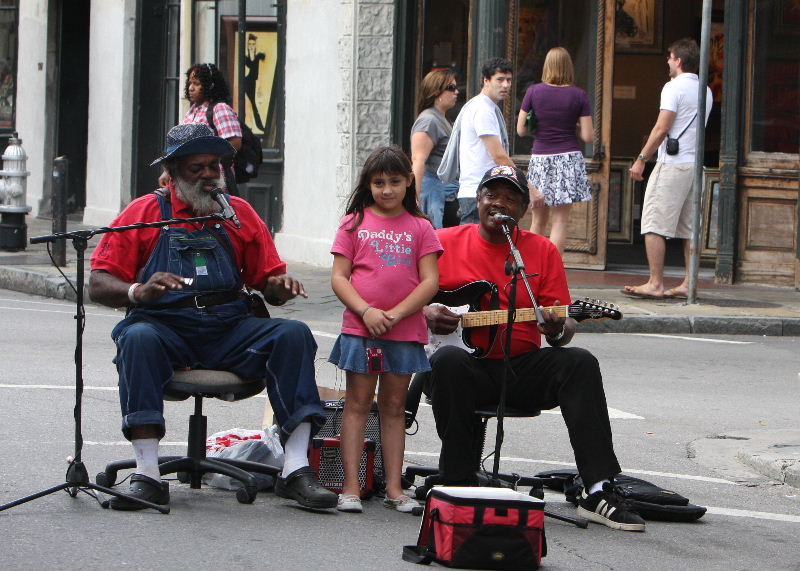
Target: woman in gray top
429	136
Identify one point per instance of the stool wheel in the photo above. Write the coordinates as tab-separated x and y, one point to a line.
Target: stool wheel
243	496
104	479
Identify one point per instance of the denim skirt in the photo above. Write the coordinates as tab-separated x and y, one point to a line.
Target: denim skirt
400	357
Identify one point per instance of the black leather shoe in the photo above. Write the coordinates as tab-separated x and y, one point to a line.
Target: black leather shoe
303	487
143	488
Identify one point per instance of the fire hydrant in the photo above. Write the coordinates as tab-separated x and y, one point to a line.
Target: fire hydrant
13	188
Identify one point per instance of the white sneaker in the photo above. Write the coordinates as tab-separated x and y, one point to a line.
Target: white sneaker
349	503
402	503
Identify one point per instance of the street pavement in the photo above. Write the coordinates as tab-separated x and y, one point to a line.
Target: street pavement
720	310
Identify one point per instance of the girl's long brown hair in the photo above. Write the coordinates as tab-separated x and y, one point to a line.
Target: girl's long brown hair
384	160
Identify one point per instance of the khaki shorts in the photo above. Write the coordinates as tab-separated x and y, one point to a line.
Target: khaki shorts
667	209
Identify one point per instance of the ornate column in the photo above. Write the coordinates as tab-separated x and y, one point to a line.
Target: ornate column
733	98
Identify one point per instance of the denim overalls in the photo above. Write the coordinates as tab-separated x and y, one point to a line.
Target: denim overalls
152	342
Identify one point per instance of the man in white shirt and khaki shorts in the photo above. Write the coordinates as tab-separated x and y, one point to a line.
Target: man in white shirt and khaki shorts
667	209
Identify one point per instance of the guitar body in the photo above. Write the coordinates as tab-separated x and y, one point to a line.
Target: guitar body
471	294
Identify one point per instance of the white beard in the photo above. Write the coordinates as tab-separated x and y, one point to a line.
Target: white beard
193	194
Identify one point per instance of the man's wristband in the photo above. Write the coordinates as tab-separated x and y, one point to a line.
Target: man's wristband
132	292
642	157
560	335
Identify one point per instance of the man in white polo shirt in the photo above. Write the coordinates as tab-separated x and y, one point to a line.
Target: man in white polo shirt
483	138
667	209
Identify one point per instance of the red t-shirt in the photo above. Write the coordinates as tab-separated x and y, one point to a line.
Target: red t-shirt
123	254
468	257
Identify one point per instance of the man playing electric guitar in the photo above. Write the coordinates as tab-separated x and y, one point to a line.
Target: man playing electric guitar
541	377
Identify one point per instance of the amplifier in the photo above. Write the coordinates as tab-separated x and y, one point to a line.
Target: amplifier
326	458
333	426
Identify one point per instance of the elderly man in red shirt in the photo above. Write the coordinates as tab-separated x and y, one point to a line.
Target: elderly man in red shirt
204	322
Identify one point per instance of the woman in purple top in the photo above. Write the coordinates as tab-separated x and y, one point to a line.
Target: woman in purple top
557	169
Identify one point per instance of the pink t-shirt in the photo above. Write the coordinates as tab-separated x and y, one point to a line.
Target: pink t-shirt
385	253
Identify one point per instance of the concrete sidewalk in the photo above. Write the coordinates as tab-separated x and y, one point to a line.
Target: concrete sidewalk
745	310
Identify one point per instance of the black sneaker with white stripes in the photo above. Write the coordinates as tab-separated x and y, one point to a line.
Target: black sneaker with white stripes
609	508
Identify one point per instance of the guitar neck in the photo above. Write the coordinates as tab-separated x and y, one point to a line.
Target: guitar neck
498	316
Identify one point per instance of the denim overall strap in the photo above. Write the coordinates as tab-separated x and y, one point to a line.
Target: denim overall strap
195	254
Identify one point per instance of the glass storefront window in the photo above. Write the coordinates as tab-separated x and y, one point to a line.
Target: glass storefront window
544	24
8	63
445	43
774	120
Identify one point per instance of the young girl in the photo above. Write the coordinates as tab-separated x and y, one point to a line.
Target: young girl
384	271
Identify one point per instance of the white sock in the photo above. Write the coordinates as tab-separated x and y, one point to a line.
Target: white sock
146	451
295	451
597	487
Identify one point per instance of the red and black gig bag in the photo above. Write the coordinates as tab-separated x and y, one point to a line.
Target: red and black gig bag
480	528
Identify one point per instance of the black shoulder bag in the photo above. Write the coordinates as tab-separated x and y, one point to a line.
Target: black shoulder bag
673	146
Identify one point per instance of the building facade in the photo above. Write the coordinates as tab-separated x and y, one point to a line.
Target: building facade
101	81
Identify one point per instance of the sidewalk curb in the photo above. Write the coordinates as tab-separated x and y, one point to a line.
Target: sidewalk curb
772	326
54	286
35	283
773	466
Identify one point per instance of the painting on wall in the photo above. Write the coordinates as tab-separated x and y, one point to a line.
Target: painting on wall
710	206
620	202
639	26
260	64
260	58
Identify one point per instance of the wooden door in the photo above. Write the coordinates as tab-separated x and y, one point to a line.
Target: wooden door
588	226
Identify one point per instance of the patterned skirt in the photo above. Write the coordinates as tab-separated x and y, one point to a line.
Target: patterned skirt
561	178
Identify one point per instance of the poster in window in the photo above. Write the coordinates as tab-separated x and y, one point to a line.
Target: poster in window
639	26
261	56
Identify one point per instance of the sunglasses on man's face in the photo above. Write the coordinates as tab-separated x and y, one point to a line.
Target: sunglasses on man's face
451	87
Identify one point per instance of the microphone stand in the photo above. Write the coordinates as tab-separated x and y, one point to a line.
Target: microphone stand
77	478
516	268
517	271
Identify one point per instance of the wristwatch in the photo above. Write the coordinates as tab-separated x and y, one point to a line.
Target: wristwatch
641	157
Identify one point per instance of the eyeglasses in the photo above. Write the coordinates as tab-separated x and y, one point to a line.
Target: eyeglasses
451	87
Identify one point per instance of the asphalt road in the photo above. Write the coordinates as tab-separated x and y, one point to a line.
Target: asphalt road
672	401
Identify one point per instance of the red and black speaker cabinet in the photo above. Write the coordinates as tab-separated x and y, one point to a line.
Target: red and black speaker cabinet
326	458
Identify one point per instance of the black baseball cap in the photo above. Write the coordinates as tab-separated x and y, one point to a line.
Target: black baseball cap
511	174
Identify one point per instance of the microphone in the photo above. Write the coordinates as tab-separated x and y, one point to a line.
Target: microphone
504	219
228	213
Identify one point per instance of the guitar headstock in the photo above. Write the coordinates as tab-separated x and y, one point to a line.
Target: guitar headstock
584	309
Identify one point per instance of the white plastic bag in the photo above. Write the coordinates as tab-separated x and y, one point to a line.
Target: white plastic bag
272	438
243	444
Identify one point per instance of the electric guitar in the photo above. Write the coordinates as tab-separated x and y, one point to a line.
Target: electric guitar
471	294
